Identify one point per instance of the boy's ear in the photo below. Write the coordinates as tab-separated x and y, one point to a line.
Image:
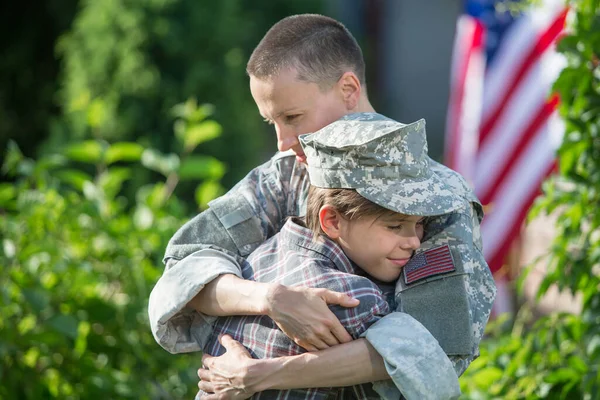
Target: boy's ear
350	87
329	218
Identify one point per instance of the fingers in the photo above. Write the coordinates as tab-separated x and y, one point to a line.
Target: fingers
342	299
232	345
341	333
204	374
334	333
206	386
315	344
207	361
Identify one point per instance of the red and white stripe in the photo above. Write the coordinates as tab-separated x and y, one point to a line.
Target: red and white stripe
519	131
463	118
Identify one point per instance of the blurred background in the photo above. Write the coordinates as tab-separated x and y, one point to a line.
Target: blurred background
120	120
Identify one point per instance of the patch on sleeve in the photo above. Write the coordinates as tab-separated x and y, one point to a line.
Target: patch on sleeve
429	263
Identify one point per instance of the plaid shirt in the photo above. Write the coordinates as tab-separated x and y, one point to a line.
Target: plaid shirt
294	258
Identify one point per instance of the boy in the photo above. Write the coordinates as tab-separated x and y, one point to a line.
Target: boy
371	187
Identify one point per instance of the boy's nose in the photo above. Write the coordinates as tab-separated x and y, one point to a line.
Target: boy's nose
412	243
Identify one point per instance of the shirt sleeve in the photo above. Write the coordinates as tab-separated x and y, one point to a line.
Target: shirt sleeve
213	243
417	365
372	307
176	327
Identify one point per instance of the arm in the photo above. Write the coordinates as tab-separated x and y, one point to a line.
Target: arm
212	245
421	362
404	365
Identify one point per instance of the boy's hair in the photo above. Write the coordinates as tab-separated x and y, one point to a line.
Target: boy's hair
320	48
347	202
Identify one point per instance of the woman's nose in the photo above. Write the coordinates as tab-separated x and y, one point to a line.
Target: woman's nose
286	139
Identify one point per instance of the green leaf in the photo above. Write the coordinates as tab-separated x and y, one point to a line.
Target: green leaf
12	158
190	111
49	162
578	364
561	375
83	331
156	161
201	167
206	192
143	217
7	193
112	180
38	299
200	133
65	324
74	177
569	158
89	151
123	151
487	377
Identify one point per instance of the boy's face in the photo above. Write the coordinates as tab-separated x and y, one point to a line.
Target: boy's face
381	246
296	107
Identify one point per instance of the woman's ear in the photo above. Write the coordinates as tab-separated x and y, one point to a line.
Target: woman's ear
350	87
329	218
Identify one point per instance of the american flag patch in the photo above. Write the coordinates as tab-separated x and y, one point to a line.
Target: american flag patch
429	263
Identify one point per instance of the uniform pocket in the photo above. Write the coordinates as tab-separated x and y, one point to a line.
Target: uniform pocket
240	221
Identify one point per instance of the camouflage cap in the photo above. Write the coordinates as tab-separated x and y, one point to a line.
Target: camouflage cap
384	160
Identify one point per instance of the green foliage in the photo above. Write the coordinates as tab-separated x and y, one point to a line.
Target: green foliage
126	63
79	261
558	357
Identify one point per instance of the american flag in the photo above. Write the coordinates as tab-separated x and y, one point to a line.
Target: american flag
502	128
429	263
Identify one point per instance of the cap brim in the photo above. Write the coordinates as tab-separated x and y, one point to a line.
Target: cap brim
426	198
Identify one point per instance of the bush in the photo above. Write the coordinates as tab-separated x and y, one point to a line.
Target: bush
78	263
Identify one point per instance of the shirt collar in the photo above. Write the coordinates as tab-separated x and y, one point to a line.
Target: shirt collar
295	233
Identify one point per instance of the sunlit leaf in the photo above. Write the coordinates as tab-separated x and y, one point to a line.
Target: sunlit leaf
486	377
123	151
112	180
156	161
200	133
7	192
74	177
208	191
561	375
89	151
201	167
143	217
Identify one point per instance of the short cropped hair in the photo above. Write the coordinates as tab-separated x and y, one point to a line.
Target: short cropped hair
320	48
347	202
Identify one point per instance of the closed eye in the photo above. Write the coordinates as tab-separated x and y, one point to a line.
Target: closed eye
291	118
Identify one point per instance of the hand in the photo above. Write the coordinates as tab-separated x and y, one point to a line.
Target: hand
302	314
225	377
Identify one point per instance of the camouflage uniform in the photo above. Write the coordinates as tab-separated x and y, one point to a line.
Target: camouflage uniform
453	306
